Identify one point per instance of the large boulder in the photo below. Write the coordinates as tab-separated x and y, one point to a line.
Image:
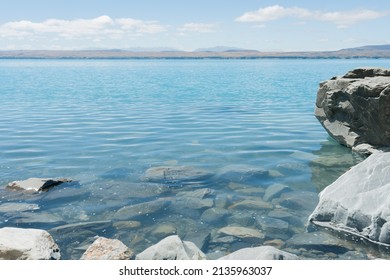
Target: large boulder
27	244
355	108
172	248
358	202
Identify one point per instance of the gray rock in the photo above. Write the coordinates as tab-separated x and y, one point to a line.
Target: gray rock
193	203
199	193
260	253
246	189
172	248
95	226
320	241
27	244
273	228
214	215
290	217
176	174
163	230
235	233
36	219
142	209
243	174
17	207
358	201
354	109
274	191
36	184
299	200
253	204
107	249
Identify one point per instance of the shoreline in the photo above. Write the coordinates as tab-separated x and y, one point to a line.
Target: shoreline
103	54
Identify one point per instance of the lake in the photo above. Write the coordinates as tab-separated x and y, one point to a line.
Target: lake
160	147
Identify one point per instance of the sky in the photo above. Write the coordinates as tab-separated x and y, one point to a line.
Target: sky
281	25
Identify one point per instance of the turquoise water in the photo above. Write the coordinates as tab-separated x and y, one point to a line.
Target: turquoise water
103	123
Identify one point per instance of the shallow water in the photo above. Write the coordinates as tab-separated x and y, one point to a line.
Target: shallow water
248	123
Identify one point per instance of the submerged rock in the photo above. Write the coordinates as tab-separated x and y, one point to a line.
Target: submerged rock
260	253
175	174
299	200
95	226
355	108
172	248
142	209
273	228
27	244
107	249
18	207
234	233
358	201
243	174
275	190
320	241
36	184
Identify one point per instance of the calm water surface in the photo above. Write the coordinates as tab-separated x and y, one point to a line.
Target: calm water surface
104	123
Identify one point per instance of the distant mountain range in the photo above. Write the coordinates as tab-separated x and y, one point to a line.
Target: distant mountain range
370	48
372	51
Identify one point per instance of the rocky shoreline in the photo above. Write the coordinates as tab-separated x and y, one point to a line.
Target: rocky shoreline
254	222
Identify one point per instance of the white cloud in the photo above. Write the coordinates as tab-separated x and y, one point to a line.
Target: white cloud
96	27
342	19
272	13
198	27
140	26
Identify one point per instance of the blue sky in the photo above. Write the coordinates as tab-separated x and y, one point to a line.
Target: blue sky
253	24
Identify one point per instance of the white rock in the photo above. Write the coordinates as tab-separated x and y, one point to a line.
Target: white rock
107	249
27	244
359	200
172	248
260	253
36	184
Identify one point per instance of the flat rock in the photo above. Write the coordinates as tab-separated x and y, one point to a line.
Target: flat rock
253	204
94	226
320	241
260	253
241	233
36	219
214	215
17	207
163	230
359	200
172	248
273	228
36	184
142	209
199	193
243	174
176	174
299	200
107	249
27	244
274	191
291	217
354	109
192	203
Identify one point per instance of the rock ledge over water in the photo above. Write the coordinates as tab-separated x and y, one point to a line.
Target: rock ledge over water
355	108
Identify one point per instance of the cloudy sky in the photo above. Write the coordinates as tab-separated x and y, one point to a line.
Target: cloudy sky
279	25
